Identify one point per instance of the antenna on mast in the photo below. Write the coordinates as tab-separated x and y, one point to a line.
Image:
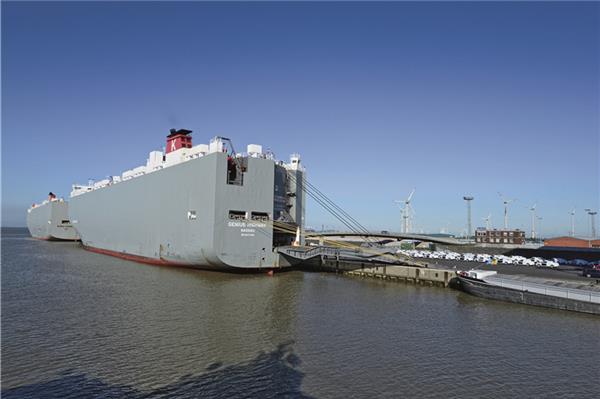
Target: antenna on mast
468	198
572	213
592	221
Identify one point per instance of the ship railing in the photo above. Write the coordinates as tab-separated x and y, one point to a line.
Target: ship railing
561	292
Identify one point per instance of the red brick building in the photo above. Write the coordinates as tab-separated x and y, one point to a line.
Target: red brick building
571	242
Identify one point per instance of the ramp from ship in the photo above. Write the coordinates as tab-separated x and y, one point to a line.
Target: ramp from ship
390	236
306	254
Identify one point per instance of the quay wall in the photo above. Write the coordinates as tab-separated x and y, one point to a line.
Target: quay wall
409	274
441	278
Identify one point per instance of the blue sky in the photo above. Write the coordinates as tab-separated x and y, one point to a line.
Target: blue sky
447	98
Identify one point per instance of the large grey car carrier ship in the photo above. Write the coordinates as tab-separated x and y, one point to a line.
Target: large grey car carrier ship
202	206
50	220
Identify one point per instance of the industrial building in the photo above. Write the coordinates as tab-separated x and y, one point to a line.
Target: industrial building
572	242
485	236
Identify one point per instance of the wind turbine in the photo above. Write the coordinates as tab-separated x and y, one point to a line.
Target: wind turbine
488	222
506	202
572	213
532	209
445	229
406	212
399	202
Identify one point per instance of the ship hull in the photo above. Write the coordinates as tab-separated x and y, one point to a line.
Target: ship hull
181	215
489	291
50	221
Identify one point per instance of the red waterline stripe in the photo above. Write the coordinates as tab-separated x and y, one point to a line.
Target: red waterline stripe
135	258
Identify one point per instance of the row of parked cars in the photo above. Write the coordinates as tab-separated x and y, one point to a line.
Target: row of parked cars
486	258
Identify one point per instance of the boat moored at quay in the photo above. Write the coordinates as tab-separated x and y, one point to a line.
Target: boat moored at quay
487	284
202	206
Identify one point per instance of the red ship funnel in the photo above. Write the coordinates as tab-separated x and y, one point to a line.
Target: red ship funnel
178	139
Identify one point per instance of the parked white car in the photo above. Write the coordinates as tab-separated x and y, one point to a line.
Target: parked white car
468	257
483	258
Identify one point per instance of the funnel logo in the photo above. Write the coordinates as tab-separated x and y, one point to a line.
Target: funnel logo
173	148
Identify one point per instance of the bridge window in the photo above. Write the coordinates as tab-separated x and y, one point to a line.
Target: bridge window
237	215
260	216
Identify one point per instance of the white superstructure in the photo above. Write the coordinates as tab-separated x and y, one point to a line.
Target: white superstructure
45	202
178	152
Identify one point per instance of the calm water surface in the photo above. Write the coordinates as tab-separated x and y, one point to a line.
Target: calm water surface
79	324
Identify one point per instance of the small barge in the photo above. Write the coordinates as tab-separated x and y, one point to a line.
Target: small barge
486	284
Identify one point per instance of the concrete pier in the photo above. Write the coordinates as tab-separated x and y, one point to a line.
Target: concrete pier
406	274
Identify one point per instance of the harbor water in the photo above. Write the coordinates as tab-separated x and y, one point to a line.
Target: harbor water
77	324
